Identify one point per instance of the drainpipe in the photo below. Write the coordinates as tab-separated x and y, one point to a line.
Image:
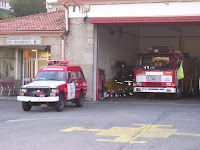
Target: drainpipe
66	30
63	46
66	17
77	5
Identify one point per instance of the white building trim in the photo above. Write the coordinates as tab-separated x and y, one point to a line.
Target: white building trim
138	10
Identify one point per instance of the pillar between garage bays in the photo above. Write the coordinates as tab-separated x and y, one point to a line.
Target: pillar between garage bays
79	49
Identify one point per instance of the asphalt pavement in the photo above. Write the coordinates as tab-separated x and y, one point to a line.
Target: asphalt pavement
110	124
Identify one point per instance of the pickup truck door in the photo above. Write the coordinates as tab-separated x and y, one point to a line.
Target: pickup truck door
76	82
70	87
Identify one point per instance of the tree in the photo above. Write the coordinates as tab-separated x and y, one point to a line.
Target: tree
5	16
28	7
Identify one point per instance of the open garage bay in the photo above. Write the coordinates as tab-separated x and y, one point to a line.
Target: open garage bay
119	43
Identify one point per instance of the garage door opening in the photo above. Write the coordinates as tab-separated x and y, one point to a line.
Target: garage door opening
119	43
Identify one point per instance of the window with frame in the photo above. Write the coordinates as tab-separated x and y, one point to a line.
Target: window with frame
7	64
80	75
74	76
69	77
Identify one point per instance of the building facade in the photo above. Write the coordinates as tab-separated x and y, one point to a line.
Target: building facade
106	32
26	43
99	34
53	5
4	4
5	8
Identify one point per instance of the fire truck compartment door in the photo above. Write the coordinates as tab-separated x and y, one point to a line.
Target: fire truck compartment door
71	91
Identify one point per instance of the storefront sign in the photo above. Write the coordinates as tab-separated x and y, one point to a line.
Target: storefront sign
24	40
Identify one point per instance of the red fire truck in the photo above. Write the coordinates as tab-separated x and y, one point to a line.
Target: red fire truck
53	85
166	72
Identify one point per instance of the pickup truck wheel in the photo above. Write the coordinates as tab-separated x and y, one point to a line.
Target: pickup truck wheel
79	102
60	104
26	106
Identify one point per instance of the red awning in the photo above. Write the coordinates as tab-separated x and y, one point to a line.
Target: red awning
144	19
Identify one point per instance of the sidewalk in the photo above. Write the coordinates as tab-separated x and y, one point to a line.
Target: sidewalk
8	97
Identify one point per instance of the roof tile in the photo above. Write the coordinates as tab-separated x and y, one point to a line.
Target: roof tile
53	21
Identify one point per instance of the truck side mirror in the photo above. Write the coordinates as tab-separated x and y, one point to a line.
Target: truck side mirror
178	64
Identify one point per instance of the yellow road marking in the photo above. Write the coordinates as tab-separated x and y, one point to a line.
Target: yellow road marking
130	135
187	134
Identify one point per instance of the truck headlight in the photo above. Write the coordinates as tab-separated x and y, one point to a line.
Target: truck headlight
168	84
139	83
54	91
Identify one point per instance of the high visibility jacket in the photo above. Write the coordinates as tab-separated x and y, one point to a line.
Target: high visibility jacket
180	73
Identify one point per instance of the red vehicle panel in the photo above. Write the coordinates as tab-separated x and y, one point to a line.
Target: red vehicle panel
166	72
53	85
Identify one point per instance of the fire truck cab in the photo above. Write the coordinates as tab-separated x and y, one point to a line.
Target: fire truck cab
54	85
166	72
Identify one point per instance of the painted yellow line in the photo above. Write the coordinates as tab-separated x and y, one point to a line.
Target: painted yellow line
131	135
187	134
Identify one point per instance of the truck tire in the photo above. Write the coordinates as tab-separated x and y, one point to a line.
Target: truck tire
178	93
26	106
79	102
60	104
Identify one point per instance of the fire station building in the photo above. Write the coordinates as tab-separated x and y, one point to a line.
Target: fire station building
102	36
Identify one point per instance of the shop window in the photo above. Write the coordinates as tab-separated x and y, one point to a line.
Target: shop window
42	54
29	54
39	54
34	59
7	64
41	63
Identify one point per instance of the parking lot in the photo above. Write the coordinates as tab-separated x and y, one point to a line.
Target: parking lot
118	124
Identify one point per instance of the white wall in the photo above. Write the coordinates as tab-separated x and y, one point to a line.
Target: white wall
140	10
53	5
149	42
169	36
5	5
112	48
190	45
164	8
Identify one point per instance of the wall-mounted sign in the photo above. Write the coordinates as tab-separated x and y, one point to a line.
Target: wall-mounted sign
24	40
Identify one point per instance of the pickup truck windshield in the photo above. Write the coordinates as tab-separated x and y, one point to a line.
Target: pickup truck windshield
155	61
51	75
